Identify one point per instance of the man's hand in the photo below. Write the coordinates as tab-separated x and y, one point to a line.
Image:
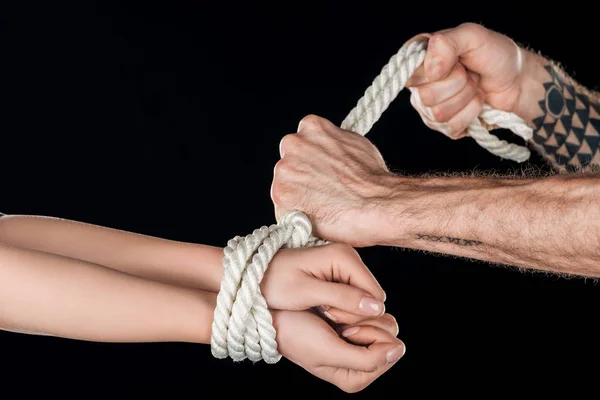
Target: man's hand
469	65
370	348
332	277
464	68
336	177
340	181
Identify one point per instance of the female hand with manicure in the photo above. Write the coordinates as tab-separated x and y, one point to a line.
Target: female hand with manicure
166	291
350	357
331	277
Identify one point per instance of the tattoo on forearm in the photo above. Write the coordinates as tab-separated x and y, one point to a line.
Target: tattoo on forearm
451	240
567	132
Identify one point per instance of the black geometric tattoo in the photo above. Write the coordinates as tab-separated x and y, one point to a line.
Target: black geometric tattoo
451	240
567	133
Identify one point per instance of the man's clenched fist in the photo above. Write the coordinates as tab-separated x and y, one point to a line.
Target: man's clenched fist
334	176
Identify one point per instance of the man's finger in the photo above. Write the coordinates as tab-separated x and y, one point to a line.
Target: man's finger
445	48
418	77
440	58
275	199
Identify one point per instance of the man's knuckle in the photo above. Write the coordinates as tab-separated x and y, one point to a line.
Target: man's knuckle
310	121
352	386
277	170
427	96
471	27
290	143
440	113
283	168
277	193
456	126
454	131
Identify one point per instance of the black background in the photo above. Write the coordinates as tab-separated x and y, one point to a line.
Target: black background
161	118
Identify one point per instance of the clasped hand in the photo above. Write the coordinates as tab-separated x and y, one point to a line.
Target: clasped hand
329	314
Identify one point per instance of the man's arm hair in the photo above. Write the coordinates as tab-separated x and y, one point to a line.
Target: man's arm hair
565	116
546	222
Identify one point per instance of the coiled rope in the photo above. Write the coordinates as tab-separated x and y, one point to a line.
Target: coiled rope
242	325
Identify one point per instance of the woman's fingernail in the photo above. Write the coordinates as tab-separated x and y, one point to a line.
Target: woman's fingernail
328	315
370	306
323	308
350	331
395	354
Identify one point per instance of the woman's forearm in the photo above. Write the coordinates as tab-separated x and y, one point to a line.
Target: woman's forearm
179	263
47	294
550	224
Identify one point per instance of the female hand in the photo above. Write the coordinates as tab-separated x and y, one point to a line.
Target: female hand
332	276
352	360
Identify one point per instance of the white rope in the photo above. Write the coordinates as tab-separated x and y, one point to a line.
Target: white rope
242	325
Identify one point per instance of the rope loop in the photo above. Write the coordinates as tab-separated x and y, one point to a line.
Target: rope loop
242	324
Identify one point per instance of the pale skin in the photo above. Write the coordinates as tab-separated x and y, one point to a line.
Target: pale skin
551	223
86	282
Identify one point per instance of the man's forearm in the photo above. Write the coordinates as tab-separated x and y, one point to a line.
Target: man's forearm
550	224
564	114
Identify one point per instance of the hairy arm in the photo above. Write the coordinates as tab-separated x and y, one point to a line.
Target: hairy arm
48	294
550	224
564	114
